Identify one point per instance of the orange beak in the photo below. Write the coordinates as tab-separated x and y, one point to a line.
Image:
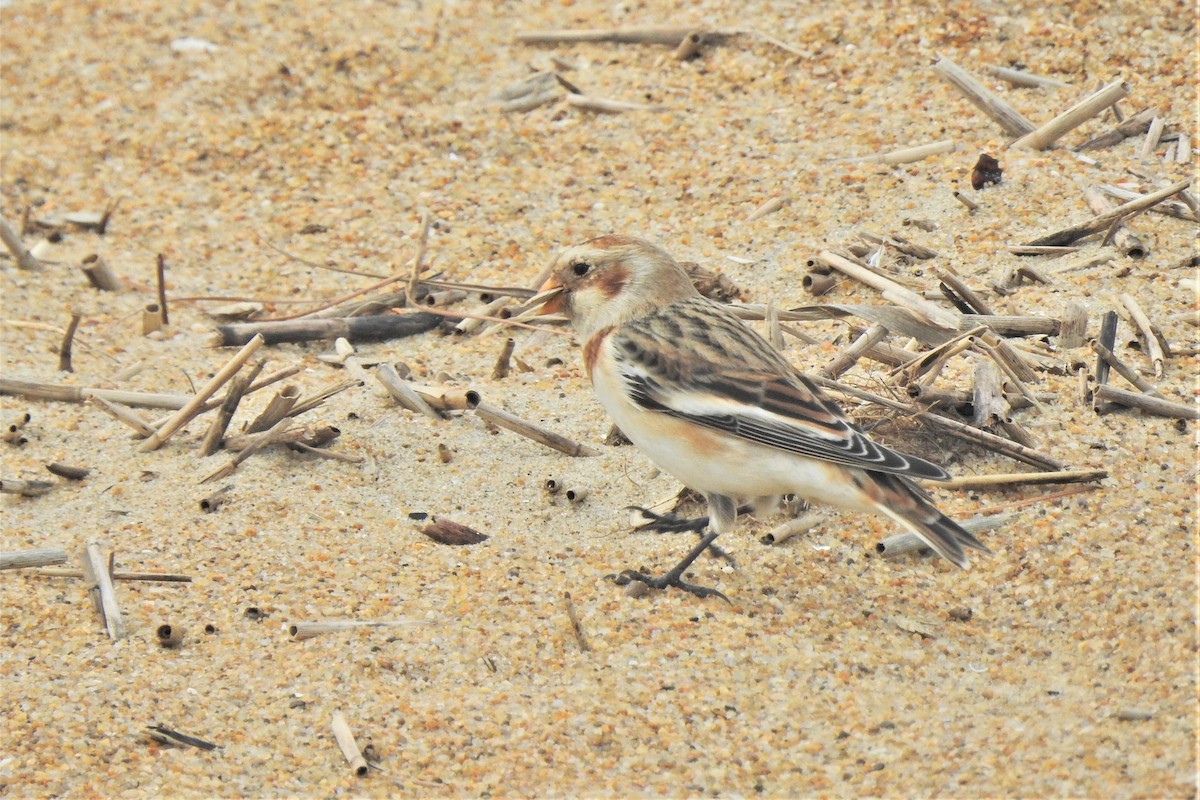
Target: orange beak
555	297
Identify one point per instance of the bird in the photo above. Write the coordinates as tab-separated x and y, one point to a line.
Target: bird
714	404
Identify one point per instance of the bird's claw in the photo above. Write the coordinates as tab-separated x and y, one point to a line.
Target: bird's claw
664	581
675	576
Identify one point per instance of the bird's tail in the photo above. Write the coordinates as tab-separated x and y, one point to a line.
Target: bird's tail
906	503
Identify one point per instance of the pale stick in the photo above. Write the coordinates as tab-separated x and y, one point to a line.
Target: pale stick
263	439
300	631
104	596
1021	78
908	155
216	431
1153	134
349	748
902	543
1103	221
848	357
403	392
604	105
1147	403
793	527
498	416
100	274
25	259
984	99
1124	370
32	558
1153	346
1123	238
181	417
1129	127
892	291
1073	117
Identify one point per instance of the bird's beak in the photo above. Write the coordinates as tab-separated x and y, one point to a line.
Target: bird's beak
551	297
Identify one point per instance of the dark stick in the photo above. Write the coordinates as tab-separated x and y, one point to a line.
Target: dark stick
354	329
64	351
160	269
1107	340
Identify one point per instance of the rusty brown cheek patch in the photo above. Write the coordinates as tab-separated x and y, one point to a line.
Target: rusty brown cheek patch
612	281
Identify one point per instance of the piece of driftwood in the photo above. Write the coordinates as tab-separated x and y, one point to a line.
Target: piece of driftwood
220	423
118	575
970	204
302	631
1122	237
25	488
96	571
793	527
899	243
908	155
768	207
1149	403
345	741
1019	77
126	415
355	329
530	430
263	439
192	407
305	436
1103	221
1150	340
1171	208
67	471
444	397
904	323
500	369
403	392
983	98
1131	126
892	291
1124	370
175	739
23	559
39	390
1073	331
277	408
954	286
309	402
99	274
850	356
24	258
1073	117
1153	134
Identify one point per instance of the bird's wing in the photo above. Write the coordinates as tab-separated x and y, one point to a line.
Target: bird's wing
693	363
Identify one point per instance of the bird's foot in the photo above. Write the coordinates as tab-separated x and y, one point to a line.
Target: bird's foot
671	523
675	576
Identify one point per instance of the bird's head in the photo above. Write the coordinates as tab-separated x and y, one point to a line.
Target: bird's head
611	280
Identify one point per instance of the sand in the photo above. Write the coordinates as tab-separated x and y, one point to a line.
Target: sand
314	136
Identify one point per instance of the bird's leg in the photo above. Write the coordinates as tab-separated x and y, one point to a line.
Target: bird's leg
675	576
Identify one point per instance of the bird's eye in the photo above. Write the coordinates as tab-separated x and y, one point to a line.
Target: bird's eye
581	268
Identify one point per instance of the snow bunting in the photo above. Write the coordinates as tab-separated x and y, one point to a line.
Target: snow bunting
714	404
